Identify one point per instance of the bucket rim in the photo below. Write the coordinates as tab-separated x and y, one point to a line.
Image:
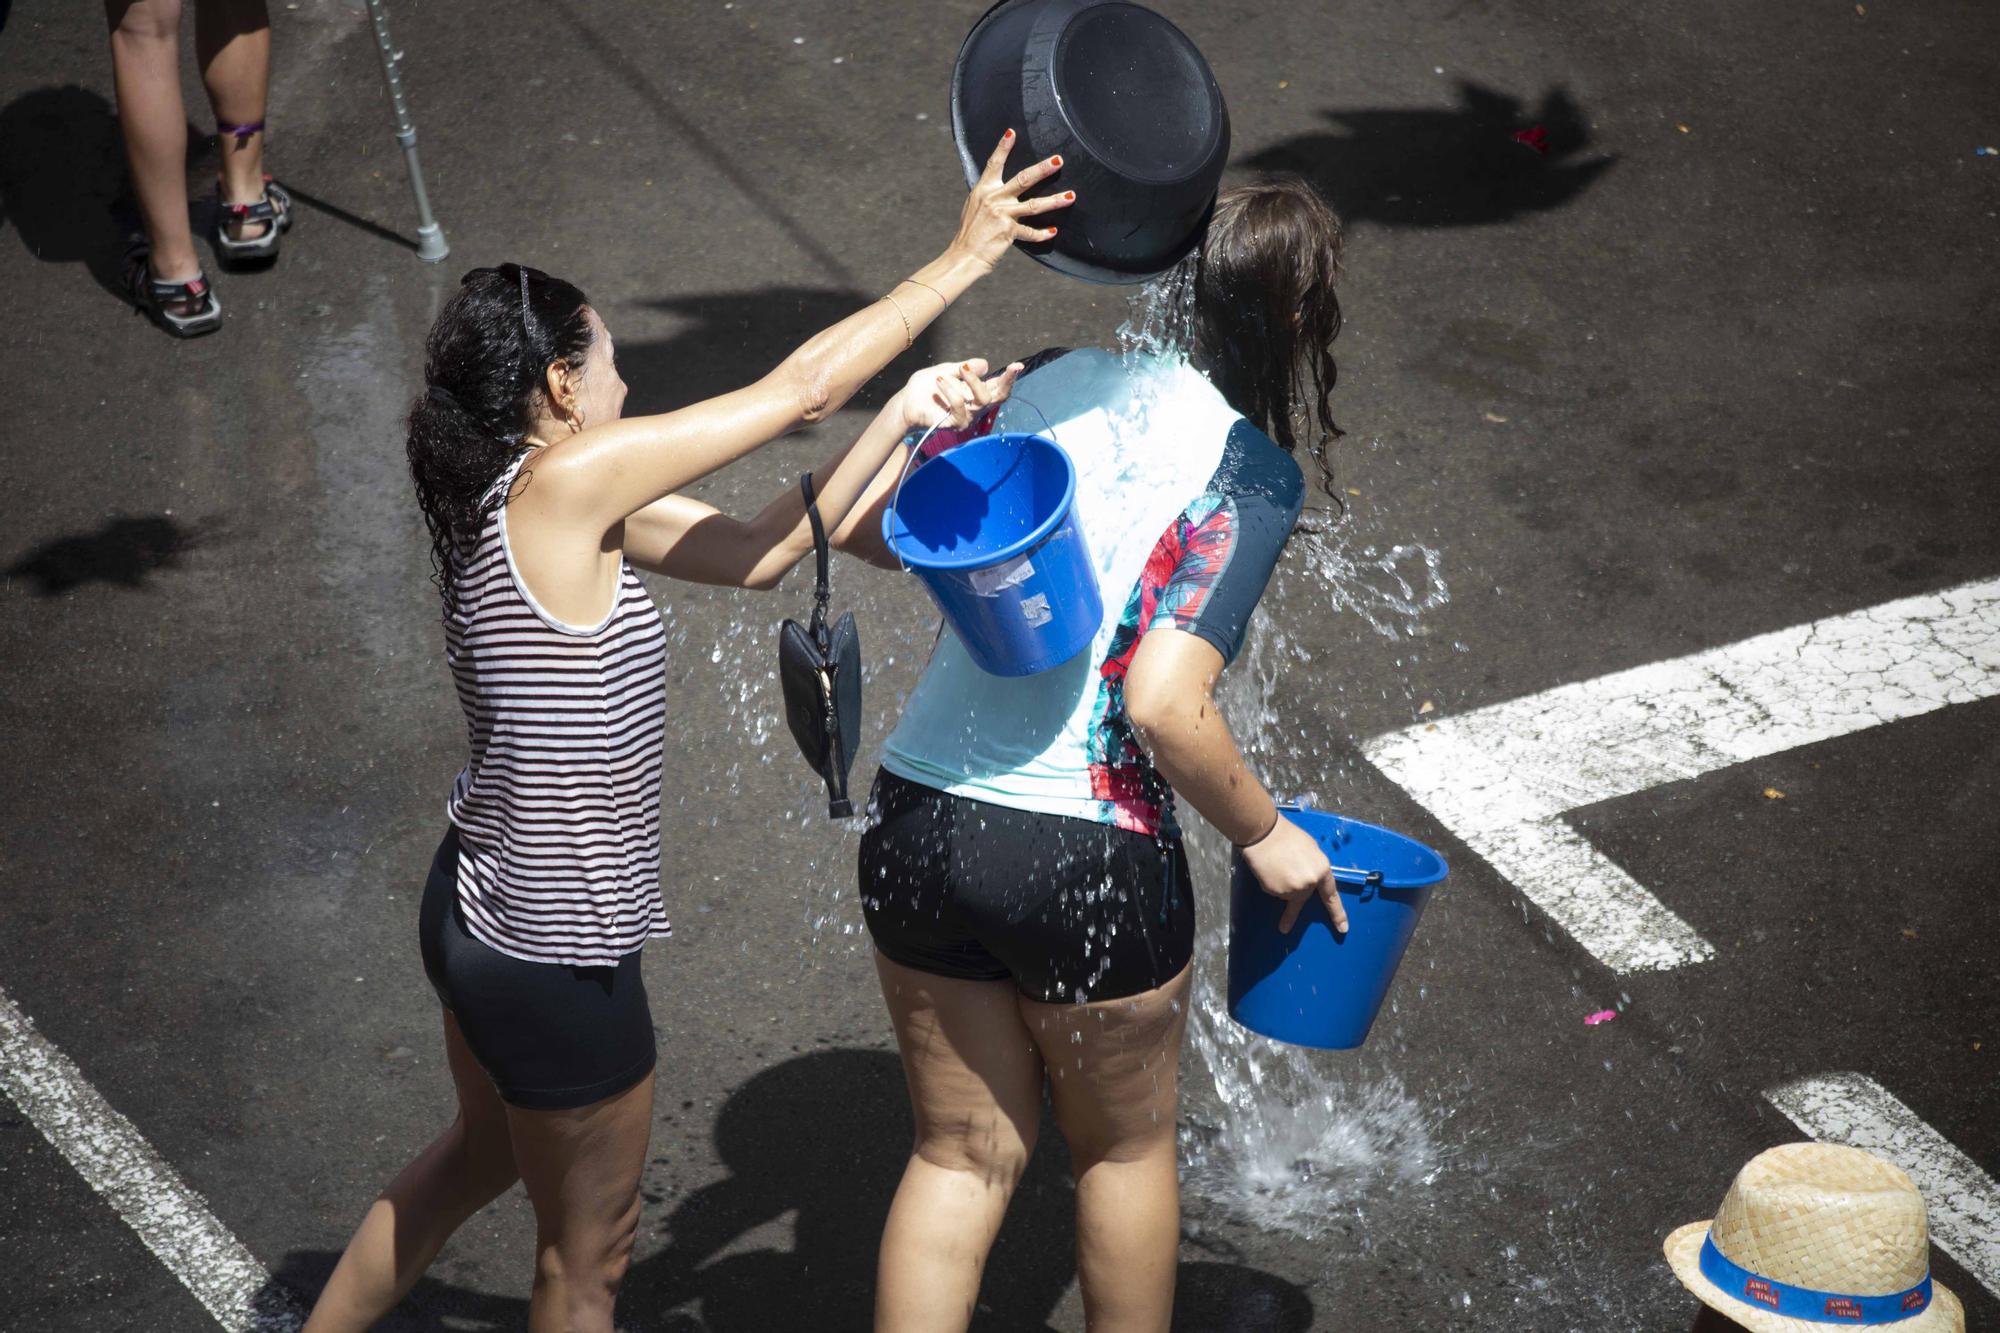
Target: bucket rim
892	525
1388	881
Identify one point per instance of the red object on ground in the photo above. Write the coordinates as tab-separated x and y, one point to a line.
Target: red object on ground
1535	137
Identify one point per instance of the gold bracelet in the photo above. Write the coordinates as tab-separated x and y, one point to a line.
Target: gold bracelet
916	282
909	338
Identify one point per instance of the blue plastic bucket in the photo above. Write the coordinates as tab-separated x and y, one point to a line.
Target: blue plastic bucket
991	528
1313	987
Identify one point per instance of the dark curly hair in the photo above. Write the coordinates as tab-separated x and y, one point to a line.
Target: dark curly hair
485	375
1265	312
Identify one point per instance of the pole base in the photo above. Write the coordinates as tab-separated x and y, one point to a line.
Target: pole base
431	247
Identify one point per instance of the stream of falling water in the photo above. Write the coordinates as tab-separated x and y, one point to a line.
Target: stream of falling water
1271	1134
1281	1137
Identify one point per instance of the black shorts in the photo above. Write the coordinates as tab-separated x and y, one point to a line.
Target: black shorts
553	1036
1070	909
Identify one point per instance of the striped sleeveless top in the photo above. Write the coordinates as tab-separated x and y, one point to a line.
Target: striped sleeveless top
558	810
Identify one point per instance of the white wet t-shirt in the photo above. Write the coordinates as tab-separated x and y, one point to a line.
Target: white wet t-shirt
1185	507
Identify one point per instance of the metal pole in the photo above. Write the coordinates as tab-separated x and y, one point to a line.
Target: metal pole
431	245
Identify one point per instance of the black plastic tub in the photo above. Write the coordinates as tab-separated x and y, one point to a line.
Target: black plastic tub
1127	101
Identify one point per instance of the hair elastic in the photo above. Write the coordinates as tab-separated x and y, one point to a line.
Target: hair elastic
1276	816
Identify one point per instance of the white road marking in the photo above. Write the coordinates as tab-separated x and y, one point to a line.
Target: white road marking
1964	1201
1502	778
114	1160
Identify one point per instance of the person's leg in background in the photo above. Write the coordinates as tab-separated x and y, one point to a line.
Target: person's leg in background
976	1091
1114	1077
233	43
145	62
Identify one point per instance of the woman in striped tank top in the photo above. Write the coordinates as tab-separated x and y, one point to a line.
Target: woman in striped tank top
541	501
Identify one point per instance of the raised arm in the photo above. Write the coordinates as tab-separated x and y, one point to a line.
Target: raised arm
596	477
860	533
687	539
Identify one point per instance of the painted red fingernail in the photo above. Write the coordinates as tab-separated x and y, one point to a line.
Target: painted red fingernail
1055	161
1008	135
1070	196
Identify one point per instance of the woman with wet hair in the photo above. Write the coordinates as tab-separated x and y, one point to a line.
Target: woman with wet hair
1022	876
542	500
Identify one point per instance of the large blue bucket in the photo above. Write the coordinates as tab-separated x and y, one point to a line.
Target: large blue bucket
991	528
1313	987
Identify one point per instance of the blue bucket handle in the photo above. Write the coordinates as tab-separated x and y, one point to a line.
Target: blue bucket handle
918	448
1354	875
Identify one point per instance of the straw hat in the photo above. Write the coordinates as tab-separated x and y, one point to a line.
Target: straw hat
1818	1216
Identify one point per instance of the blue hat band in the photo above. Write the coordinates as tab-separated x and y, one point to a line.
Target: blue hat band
1815	1307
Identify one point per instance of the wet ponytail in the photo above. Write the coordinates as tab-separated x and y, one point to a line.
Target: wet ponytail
485	372
1266	314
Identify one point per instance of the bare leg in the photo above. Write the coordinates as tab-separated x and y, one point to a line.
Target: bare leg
976	1090
464	1169
582	1171
232	41
145	65
1114	1075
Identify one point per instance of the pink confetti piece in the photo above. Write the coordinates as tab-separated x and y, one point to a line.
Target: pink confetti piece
1601	1016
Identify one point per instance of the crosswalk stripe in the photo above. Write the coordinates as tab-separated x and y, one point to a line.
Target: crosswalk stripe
116	1161
1503	777
1855	1110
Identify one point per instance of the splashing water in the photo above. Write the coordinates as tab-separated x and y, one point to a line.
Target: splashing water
1273	1134
1280	1137
1389	590
1277	1138
1298	1160
1159	320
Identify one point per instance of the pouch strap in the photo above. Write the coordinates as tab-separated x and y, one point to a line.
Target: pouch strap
822	589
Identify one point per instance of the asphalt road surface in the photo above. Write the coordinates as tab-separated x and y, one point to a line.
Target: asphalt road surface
1716	364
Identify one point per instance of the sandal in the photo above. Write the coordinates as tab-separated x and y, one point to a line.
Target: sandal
273	209
184	309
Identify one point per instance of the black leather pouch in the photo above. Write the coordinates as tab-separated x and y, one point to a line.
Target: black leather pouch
819	668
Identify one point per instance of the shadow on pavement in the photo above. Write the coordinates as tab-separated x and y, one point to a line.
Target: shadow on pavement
1490	159
64	186
354	220
731	338
823	1138
122	553
617	58
63	182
